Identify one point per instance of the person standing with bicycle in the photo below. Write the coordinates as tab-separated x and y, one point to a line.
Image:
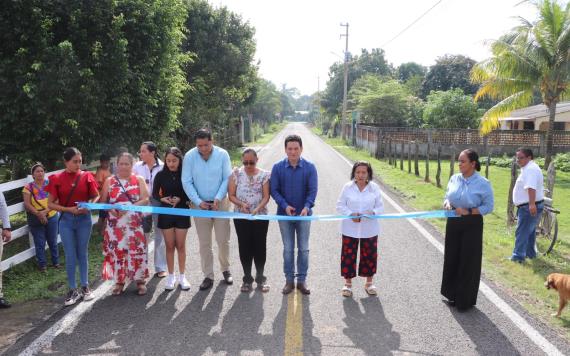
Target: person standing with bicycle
528	197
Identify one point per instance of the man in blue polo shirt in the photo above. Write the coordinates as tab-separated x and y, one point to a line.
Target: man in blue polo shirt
294	185
205	173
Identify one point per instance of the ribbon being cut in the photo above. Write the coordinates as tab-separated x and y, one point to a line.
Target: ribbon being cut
231	215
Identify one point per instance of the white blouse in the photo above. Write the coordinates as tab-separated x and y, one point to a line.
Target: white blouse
352	200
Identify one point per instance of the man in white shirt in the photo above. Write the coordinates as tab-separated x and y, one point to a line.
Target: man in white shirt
148	167
528	197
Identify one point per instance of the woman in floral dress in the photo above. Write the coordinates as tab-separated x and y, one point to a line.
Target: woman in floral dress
124	241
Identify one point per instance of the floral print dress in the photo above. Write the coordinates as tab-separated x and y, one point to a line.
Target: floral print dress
124	241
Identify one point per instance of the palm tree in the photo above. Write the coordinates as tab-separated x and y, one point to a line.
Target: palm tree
532	56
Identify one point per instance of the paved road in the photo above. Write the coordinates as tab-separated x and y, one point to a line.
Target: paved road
407	317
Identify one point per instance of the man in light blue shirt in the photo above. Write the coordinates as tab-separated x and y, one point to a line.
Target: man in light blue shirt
205	173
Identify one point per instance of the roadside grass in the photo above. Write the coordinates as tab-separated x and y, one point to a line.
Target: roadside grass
524	282
272	130
25	282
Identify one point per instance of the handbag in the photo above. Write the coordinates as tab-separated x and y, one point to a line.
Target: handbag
146	219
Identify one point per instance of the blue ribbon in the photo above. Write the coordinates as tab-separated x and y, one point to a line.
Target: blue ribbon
231	215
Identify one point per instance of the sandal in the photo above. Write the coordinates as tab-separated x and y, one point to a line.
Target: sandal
370	288
347	290
118	289
141	288
246	287
264	287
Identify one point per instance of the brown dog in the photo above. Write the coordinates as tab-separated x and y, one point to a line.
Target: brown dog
560	282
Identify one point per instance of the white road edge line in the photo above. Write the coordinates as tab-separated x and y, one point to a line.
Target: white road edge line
70	320
518	320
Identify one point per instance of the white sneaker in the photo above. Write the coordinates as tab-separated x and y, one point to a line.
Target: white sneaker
183	283
170	282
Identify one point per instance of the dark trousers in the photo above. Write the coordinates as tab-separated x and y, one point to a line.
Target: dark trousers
462	260
252	241
368	256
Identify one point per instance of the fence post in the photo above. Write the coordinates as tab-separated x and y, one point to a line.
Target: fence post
487	164
402	155
510	205
395	158
438	174
389	143
416	164
426	179
550	178
409	156
379	145
452	163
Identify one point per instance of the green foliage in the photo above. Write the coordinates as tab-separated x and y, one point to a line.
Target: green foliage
561	161
406	71
531	57
221	75
450	109
449	71
94	75
381	102
267	102
372	62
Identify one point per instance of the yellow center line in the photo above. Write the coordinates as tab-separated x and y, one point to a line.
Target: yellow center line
294	325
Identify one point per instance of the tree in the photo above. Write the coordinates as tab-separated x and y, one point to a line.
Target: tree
366	63
411	69
532	56
386	103
95	75
449	71
221	74
450	109
266	104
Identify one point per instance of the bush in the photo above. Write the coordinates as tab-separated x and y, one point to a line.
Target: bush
561	161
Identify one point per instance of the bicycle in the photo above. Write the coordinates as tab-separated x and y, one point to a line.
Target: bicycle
547	228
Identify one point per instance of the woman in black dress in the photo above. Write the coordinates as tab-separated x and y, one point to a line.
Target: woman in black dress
167	188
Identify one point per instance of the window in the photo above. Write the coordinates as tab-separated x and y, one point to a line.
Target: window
559	126
528	125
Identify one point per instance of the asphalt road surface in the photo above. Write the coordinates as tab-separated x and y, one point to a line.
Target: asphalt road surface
407	317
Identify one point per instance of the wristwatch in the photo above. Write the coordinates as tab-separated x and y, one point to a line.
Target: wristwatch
470	210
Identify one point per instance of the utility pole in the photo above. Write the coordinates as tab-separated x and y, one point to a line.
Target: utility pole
345	79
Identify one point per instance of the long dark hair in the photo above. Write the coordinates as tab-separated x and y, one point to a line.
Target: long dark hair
175	151
69	153
151	146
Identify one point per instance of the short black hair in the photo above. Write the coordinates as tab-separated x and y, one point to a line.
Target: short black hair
202	134
362	164
473	157
527	152
151	147
293	138
104	158
69	153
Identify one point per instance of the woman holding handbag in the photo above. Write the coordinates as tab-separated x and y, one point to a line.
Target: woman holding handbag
41	220
124	241
66	189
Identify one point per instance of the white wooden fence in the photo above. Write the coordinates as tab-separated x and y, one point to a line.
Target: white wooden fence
24	230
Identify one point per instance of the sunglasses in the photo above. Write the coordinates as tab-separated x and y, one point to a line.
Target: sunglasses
248	163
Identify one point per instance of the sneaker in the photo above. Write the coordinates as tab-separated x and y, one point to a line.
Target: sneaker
87	294
183	283
72	297
170	282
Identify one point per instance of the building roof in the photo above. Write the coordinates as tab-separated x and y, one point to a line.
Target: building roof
536	111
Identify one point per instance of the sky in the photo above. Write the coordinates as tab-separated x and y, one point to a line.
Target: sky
298	40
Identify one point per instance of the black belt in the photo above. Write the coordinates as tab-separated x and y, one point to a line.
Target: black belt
525	204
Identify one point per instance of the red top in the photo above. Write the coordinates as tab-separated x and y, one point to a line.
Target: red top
60	186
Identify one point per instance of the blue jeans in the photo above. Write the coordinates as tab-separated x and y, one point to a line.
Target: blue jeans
303	230
75	232
525	235
46	233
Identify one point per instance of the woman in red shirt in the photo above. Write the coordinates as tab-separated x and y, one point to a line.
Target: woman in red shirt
66	189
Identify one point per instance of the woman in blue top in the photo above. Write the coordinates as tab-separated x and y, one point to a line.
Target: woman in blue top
471	196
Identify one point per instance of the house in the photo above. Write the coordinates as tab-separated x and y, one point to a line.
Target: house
536	118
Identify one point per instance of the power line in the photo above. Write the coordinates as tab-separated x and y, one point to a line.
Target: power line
413	23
